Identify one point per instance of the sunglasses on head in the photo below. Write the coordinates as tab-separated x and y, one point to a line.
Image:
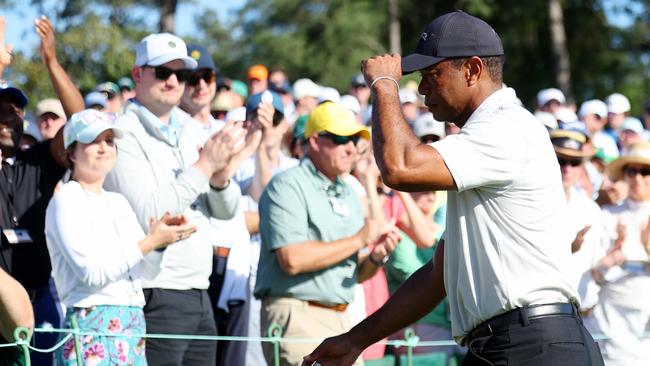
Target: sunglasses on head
632	172
206	75
572	162
163	73
340	140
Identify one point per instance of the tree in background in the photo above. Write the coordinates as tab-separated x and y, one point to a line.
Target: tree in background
326	39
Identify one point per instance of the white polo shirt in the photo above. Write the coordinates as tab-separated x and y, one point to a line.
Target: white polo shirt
505	245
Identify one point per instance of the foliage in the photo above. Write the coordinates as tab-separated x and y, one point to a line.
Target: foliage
326	39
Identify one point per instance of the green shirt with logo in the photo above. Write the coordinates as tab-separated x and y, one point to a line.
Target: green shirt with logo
298	205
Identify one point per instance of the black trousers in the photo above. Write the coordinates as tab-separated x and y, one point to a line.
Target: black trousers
231	323
179	312
552	340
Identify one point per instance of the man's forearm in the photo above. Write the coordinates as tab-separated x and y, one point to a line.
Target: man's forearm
65	89
311	256
15	308
414	299
391	135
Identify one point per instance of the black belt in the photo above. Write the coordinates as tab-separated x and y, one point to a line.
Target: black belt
519	315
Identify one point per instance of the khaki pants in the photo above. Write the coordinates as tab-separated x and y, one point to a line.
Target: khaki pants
299	320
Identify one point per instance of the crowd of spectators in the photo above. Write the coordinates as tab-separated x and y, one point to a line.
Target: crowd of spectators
177	200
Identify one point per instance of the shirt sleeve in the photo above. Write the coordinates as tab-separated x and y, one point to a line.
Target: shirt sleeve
283	215
69	227
484	153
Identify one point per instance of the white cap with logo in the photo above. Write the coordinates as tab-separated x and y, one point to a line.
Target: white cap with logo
86	125
159	48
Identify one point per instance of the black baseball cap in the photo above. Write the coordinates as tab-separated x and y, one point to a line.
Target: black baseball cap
451	35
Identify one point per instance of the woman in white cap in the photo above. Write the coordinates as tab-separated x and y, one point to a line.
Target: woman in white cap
96	245
623	313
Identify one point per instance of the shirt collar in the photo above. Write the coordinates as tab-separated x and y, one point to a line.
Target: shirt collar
337	188
170	132
496	100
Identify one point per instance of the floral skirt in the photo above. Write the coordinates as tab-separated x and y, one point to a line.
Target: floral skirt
109	349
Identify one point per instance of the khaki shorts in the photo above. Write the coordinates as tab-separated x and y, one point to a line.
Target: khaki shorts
299	320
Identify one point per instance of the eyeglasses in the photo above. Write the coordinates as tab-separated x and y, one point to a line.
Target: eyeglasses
572	162
632	172
340	140
163	73
206	75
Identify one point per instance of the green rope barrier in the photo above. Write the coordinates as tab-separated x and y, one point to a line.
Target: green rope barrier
411	342
77	341
22	336
275	332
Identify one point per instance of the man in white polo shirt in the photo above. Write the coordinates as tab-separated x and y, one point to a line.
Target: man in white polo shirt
500	261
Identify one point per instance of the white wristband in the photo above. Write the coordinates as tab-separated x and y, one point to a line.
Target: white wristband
384	77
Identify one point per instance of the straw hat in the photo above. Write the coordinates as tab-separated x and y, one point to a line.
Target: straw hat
568	143
638	153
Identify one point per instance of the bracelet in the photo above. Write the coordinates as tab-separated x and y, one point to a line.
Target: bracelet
384	77
378	263
219	189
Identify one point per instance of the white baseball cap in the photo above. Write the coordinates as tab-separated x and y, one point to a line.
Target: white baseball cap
546	95
407	96
618	103
547	119
425	124
305	88
86	125
159	48
565	114
328	93
593	106
351	102
632	124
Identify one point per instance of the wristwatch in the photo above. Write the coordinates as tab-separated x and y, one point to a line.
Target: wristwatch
378	263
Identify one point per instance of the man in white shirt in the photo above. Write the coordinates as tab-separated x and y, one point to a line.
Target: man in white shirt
159	169
501	258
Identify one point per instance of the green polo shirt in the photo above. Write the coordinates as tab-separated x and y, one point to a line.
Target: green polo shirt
302	204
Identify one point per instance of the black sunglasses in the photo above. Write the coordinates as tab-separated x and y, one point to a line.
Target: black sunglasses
206	75
340	140
632	172
571	162
163	73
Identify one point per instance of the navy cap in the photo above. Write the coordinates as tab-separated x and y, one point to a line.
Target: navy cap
455	34
202	57
18	97
280	87
254	101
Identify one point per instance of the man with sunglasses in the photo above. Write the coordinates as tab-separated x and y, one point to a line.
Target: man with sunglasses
159	169
623	313
200	89
584	221
500	261
312	228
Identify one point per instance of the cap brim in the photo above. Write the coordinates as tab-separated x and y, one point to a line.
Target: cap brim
571	152
354	129
416	61
90	133
190	63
